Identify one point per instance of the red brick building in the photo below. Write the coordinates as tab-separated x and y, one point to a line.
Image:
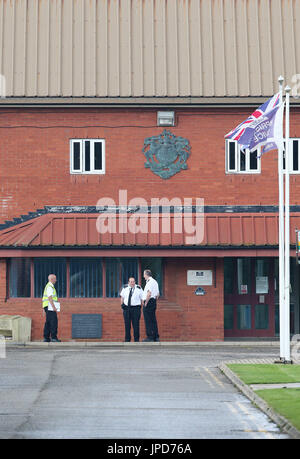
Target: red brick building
85	83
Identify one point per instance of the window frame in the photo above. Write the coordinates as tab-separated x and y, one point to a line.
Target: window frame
95	266
40	277
82	169
292	171
120	274
14	287
64	276
237	160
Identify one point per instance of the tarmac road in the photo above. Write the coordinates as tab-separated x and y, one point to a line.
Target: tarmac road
132	392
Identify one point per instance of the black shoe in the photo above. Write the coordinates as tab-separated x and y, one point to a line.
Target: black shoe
46	340
157	340
55	340
148	340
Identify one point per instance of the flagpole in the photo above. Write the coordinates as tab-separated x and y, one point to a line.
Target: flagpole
281	236
264	127
287	231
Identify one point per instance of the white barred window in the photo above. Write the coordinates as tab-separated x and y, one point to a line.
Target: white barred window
241	162
87	156
294	156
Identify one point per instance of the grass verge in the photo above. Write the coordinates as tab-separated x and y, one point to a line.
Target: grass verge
284	401
261	373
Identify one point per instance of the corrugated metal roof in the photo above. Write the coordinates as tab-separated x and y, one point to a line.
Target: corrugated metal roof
148	48
80	230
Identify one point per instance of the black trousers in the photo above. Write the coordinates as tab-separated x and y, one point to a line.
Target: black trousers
132	315
50	327
149	312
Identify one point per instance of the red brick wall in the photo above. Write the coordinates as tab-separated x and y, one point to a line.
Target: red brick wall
202	316
34	172
182	316
35	162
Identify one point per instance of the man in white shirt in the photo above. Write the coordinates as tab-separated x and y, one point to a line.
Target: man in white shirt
131	300
150	295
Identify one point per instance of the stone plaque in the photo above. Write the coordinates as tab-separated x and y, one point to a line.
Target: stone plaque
86	326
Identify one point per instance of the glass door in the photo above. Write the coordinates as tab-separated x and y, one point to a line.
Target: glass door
249	305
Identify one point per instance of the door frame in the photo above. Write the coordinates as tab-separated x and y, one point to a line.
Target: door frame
252	298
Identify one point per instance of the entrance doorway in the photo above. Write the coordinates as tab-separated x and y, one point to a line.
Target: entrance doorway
249	297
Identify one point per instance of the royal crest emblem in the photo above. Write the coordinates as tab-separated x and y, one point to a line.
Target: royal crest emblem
166	154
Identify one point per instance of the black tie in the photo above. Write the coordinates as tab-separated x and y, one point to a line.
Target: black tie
129	298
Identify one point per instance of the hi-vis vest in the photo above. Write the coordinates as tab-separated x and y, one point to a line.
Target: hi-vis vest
45	297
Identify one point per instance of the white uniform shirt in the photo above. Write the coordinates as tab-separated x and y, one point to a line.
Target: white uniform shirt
136	297
152	286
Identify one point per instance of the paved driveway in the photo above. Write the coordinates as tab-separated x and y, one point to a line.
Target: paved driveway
135	391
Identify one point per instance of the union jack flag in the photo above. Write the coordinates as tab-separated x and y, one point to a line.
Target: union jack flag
264	128
237	132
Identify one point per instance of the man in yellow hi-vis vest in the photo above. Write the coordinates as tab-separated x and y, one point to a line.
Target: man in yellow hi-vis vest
49	299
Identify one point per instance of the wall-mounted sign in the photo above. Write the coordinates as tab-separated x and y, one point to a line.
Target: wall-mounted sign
199	291
199	277
243	289
262	284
